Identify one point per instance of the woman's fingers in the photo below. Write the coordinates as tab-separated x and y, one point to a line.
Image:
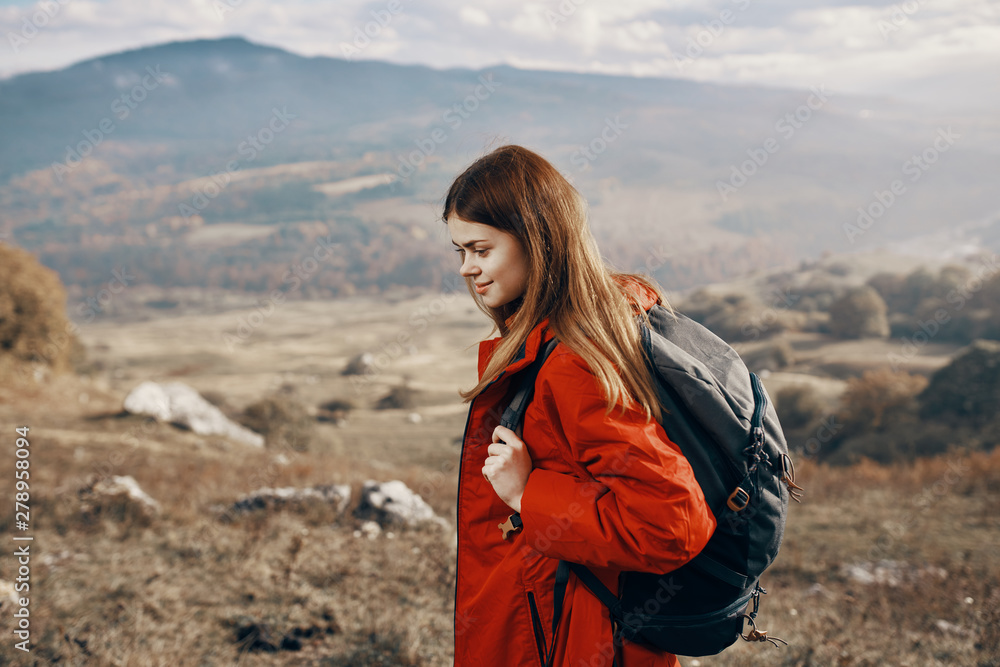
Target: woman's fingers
504	435
507	466
499	449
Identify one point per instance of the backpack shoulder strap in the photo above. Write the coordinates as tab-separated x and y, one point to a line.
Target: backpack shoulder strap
514	414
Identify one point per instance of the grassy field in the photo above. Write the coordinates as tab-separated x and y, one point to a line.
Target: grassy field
880	566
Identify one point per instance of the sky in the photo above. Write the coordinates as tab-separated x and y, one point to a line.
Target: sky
943	52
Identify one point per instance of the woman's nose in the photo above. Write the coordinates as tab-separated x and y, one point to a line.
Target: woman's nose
468	266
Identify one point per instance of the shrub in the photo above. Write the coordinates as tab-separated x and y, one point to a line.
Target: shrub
798	406
400	397
282	421
967	390
860	313
904	294
905	439
878	397
33	323
731	317
335	410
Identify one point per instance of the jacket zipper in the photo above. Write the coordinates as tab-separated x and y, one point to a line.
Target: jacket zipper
458	512
536	624
458	509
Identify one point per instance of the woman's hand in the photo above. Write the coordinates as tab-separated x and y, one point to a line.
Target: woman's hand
507	467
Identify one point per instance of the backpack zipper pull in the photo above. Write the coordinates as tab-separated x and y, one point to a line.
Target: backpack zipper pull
788	477
755	635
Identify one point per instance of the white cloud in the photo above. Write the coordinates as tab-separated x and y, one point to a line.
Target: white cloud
474	16
855	48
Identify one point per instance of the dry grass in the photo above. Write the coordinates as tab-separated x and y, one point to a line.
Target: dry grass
297	587
933	513
190	589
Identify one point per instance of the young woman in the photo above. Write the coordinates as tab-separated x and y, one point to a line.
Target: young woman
592	474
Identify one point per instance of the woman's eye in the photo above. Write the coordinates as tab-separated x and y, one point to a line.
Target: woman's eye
482	252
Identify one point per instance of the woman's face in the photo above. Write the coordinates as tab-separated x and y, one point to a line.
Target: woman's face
494	260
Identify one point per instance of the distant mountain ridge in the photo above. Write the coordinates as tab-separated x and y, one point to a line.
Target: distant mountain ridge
692	181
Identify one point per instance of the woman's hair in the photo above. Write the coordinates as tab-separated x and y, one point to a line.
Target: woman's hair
517	191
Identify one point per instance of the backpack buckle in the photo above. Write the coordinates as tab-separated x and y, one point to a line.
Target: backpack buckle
512	526
738	499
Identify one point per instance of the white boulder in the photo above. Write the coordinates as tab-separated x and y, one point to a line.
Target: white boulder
118	489
890	572
394	503
176	402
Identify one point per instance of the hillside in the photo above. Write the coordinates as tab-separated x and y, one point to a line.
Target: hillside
304	585
219	164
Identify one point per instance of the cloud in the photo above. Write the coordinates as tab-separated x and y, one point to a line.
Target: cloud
474	16
862	48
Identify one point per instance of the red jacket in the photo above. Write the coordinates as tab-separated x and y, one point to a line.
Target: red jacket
609	491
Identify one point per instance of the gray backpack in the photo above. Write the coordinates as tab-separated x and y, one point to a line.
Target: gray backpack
718	413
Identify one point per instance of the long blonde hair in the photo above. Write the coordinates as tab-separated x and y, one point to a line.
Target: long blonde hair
519	192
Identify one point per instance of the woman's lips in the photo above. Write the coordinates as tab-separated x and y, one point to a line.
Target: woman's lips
482	288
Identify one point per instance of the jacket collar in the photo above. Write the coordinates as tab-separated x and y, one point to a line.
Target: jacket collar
639	296
528	352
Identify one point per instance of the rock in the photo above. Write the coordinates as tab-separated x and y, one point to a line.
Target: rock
889	572
362	364
59	558
951	628
400	397
394	503
338	495
178	403
369	529
255	635
119	495
818	590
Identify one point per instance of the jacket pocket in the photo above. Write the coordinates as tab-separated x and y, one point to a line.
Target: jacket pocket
536	625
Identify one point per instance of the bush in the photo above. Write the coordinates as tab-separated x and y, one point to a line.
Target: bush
904	440
878	398
905	294
34	328
400	397
335	410
967	390
798	406
860	313
282	421
730	317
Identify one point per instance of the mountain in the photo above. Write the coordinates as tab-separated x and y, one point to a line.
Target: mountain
231	158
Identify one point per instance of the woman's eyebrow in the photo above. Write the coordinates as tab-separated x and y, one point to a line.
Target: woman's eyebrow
469	244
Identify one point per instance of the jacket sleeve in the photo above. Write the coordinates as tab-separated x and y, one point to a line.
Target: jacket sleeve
638	505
